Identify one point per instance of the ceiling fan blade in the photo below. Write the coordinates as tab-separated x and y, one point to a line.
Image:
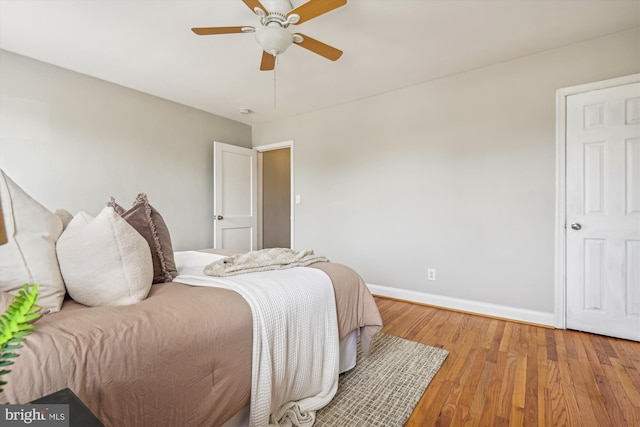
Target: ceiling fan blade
313	8
268	62
318	47
205	31
252	4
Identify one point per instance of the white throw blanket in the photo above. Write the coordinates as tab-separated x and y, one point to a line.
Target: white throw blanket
262	260
295	337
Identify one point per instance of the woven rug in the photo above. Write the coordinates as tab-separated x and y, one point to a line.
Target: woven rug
383	388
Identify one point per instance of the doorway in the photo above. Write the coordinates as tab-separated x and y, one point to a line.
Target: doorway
275	195
274	169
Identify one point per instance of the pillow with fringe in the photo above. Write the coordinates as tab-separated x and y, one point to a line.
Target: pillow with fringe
149	223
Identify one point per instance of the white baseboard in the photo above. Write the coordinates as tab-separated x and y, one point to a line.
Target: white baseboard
482	308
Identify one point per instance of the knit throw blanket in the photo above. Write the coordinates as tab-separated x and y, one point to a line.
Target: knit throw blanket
296	347
262	260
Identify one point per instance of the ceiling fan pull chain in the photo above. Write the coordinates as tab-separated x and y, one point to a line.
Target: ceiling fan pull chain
275	84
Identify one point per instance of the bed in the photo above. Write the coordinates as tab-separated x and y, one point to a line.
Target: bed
180	357
139	347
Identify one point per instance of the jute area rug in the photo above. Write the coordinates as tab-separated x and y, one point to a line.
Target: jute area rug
384	387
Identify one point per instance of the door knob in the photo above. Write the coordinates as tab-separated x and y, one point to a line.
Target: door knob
576	226
219	217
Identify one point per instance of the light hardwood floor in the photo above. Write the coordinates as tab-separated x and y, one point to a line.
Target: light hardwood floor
501	373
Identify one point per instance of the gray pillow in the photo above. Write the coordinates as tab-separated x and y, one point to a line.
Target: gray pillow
149	223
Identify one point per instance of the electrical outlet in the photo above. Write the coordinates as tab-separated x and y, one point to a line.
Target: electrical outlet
431	274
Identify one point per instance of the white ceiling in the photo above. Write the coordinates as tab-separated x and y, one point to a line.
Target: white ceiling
147	45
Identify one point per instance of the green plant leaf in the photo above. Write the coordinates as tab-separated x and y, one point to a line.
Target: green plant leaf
16	324
8	346
10	355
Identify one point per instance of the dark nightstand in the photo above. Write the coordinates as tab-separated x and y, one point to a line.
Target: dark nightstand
79	414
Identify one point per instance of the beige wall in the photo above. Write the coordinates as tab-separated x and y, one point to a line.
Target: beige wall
71	141
456	174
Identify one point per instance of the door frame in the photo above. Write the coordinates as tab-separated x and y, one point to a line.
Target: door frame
278	146
561	182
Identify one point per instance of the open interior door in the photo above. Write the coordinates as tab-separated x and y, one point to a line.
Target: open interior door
235	197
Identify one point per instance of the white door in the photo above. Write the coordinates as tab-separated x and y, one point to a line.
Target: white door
603	211
235	197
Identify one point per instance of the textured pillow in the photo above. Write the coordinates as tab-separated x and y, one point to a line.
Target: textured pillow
29	256
104	261
149	223
65	216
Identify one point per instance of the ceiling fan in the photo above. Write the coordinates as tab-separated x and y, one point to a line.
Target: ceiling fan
273	34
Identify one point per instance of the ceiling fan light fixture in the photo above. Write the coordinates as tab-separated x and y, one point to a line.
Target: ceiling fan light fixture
274	39
294	18
274	36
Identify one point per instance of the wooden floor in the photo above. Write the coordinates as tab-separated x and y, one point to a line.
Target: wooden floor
501	373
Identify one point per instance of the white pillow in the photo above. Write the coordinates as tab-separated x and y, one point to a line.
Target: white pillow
29	256
104	260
